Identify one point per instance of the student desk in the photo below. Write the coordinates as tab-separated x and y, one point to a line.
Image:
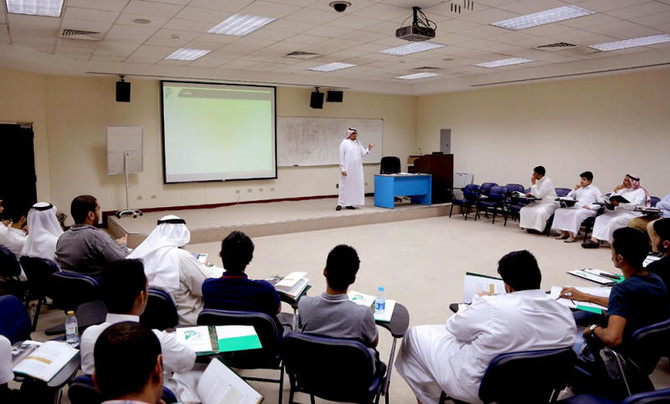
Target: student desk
388	186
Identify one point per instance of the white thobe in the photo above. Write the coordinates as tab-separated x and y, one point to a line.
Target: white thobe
569	219
177	358
434	359
351	186
188	298
43	233
13	239
605	224
535	215
6	367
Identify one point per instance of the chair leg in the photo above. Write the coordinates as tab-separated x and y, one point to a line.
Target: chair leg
450	210
311	399
281	383
37	312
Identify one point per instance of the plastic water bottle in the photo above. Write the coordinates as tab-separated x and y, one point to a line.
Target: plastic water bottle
71	329
380	301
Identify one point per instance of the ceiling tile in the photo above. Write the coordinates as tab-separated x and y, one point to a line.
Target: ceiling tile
74	52
85	14
227	5
152	8
188	25
640	10
311	15
269	9
132	33
155	21
212	17
149	54
109	5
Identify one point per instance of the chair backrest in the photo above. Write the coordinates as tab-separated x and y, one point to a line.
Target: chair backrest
654	200
346	372
561	192
38	271
389	165
471	192
648	344
83	391
486	187
9	265
70	289
658	396
14	319
514	188
497	194
161	312
534	374
268	329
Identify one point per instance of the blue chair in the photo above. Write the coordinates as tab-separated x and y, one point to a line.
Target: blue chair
513	205
38	271
346	371
470	196
70	289
486	187
14	319
654	200
161	312
269	332
83	391
494	203
562	192
648	344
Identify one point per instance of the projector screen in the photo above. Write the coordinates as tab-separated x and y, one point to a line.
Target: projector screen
218	132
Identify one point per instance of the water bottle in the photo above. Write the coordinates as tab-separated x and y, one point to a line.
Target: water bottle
380	301
71	329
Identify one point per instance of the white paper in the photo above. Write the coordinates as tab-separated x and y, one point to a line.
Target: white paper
572	304
195	337
45	362
361	298
234	331
474	284
291	279
385	316
220	385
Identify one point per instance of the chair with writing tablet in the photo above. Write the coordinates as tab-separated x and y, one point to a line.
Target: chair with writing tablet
38	271
535	376
334	369
653	201
83	391
270	333
161	312
14	319
70	289
494	203
562	192
470	196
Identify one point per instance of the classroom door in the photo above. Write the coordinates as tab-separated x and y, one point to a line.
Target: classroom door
17	170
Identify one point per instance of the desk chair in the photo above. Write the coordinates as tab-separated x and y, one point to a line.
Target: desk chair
161	312
70	289
269	332
514	205
648	344
14	319
494	203
537	376
10	270
83	391
38	271
334	369
389	165
470	196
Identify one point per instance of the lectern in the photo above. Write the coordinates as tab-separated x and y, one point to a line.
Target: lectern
441	166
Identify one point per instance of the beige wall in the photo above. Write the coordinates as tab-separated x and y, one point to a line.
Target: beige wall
610	125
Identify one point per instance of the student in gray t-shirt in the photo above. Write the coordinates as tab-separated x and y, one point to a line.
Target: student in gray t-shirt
332	314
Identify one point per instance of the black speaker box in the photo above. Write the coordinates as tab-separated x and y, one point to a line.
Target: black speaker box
316	100
334	96
122	91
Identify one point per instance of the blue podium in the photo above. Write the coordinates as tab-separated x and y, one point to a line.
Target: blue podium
388	186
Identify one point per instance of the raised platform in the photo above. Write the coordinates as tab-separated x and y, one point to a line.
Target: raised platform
266	219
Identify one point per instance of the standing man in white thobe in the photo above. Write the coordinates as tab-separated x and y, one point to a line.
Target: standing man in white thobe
534	216
351	183
568	220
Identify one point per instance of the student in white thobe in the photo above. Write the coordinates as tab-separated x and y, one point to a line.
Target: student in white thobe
535	215
567	220
351	182
611	220
43	232
175	270
433	358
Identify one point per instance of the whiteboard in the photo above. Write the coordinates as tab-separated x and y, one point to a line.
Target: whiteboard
316	141
124	140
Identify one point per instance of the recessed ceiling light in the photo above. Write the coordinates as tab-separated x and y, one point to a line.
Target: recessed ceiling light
141	21
543	17
413	47
504	62
187	54
418	76
631	43
331	67
46	8
240	24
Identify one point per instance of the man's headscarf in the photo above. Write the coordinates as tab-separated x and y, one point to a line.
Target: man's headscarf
351	131
43	231
635	184
159	252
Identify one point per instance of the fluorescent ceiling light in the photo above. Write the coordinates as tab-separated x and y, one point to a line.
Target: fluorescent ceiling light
47	8
187	54
631	43
413	47
418	76
240	24
331	67
543	17
504	62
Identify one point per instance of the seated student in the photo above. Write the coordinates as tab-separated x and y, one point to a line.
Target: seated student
85	248
173	269
646	223
628	306
234	290
568	220
129	365
534	216
125	292
661	243
433	358
43	232
13	235
618	217
332	314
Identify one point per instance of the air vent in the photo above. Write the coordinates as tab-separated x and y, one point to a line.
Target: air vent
557	46
80	34
302	55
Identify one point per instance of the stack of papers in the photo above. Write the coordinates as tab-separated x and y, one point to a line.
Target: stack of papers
586	306
46	361
207	340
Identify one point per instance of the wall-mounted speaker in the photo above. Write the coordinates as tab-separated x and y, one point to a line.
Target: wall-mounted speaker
316	100
122	91
334	96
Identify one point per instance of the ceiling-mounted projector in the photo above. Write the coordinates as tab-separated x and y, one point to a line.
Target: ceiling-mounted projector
422	29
